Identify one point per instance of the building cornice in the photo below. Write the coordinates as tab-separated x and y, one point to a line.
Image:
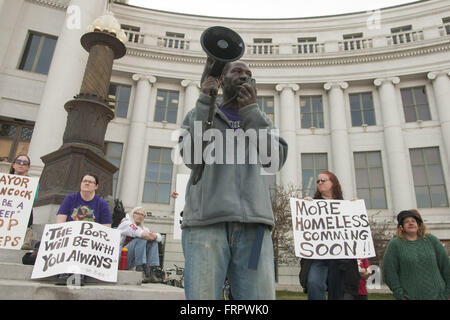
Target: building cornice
58	4
287	61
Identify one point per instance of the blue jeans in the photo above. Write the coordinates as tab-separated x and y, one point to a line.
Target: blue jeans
142	252
222	250
324	275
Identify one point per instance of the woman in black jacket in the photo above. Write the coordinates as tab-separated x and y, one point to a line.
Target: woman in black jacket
338	276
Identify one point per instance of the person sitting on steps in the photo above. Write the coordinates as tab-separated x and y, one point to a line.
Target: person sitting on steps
142	244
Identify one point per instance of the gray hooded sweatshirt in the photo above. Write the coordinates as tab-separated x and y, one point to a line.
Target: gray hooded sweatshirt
233	186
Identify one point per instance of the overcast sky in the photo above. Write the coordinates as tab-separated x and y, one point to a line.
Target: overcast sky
266	8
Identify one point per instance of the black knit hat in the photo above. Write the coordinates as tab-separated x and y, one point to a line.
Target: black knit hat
405	214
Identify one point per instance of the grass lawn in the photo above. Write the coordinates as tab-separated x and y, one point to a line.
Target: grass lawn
290	295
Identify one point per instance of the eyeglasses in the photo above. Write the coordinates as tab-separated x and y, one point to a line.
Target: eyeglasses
22	162
88	181
140	214
322	180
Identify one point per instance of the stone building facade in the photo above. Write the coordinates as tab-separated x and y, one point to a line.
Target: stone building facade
365	95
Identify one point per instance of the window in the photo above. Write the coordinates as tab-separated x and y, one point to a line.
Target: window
401	34
114	155
166	106
370	179
428	177
175	41
415	104
15	139
362	110
355	44
158	175
446	22
307	45
262	46
266	105
311	111
132	32
119	99
38	53
312	165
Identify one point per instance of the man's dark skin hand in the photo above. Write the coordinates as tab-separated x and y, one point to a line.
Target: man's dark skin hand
237	93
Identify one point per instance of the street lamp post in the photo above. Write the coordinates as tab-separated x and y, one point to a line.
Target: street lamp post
87	120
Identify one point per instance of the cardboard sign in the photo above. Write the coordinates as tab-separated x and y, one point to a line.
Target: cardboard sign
182	180
331	229
17	195
79	247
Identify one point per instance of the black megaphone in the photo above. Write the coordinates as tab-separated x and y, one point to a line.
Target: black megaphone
222	45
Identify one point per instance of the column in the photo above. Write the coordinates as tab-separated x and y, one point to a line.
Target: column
64	78
402	190
340	145
441	88
289	172
136	148
191	94
2	2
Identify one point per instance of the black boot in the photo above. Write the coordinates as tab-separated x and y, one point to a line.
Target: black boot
150	275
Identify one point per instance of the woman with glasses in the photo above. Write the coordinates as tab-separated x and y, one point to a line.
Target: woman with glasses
142	244
415	264
335	276
20	166
83	206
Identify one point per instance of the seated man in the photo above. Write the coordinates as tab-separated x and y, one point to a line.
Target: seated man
142	244
84	206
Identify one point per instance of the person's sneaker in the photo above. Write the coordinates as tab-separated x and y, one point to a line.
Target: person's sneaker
70	279
62	279
150	275
140	268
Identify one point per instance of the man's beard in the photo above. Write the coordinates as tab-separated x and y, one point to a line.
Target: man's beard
230	90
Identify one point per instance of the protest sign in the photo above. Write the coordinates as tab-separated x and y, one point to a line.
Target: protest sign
182	180
80	247
16	201
331	229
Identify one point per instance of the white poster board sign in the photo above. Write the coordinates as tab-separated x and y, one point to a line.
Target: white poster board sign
331	229
17	195
182	180
79	247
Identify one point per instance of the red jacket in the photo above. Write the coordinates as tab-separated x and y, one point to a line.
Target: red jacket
362	291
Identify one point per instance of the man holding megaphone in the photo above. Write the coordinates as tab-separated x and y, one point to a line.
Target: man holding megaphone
227	218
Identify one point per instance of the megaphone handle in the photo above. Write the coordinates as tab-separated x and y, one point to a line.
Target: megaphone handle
212	68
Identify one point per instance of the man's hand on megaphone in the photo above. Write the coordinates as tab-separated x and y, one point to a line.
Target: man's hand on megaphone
210	86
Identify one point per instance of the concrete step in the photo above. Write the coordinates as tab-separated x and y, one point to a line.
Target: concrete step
16	271
11	267
31	290
13	256
16	284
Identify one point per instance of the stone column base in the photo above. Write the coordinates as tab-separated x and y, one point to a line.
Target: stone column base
64	169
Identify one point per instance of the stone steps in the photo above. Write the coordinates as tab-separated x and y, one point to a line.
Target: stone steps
31	290
16	284
16	271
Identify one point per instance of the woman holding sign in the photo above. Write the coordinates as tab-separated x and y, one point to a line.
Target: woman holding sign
83	206
20	166
336	276
415	264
